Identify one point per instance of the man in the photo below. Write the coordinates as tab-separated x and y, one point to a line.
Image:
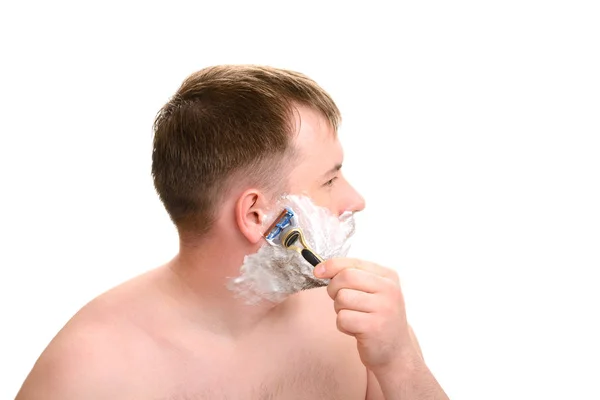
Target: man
226	146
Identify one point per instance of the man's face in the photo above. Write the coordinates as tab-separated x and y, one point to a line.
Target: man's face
323	201
318	172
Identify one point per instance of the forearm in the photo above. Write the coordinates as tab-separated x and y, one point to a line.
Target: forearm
412	381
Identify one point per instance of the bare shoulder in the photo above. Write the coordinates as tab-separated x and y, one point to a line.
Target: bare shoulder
89	356
72	364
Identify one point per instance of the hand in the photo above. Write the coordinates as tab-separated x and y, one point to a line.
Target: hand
369	304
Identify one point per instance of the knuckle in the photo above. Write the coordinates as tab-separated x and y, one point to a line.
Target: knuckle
349	277
395	298
354	275
343	296
344	277
343	319
331	290
389	304
390	284
393	274
398	296
349	299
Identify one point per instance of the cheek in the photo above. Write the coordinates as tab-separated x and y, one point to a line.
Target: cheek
323	198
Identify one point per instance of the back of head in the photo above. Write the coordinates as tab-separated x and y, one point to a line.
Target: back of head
228	123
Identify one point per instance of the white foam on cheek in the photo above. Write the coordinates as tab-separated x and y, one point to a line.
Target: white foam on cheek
273	273
326	233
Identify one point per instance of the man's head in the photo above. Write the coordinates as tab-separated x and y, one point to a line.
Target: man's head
247	133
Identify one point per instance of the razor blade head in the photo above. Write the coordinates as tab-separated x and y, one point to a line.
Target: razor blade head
284	221
285	231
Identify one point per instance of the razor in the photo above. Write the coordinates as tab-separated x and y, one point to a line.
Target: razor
285	231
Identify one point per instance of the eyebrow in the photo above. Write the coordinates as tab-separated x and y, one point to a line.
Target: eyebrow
333	170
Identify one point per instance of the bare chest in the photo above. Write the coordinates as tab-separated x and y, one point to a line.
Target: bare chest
287	375
296	354
261	373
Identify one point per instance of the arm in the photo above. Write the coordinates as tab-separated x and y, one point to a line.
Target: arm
370	306
408	381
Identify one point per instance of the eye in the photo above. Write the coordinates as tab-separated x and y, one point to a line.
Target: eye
330	182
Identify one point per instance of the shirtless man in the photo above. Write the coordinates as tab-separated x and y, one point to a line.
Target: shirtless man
230	141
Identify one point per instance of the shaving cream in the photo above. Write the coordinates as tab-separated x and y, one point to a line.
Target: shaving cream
274	272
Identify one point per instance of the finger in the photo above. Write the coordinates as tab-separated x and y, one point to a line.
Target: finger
352	322
356	279
350	299
330	268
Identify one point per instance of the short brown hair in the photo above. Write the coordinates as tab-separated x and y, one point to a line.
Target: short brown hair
226	120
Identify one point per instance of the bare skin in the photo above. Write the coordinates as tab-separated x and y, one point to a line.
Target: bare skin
177	332
142	341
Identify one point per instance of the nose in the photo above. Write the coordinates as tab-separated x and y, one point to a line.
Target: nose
360	202
355	201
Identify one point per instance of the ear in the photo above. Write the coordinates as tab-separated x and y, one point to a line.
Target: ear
250	214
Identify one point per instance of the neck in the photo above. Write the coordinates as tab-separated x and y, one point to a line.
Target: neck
200	275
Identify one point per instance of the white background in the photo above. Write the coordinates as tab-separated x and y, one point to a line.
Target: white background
471	127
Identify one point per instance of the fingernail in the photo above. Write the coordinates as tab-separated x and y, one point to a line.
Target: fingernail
320	270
